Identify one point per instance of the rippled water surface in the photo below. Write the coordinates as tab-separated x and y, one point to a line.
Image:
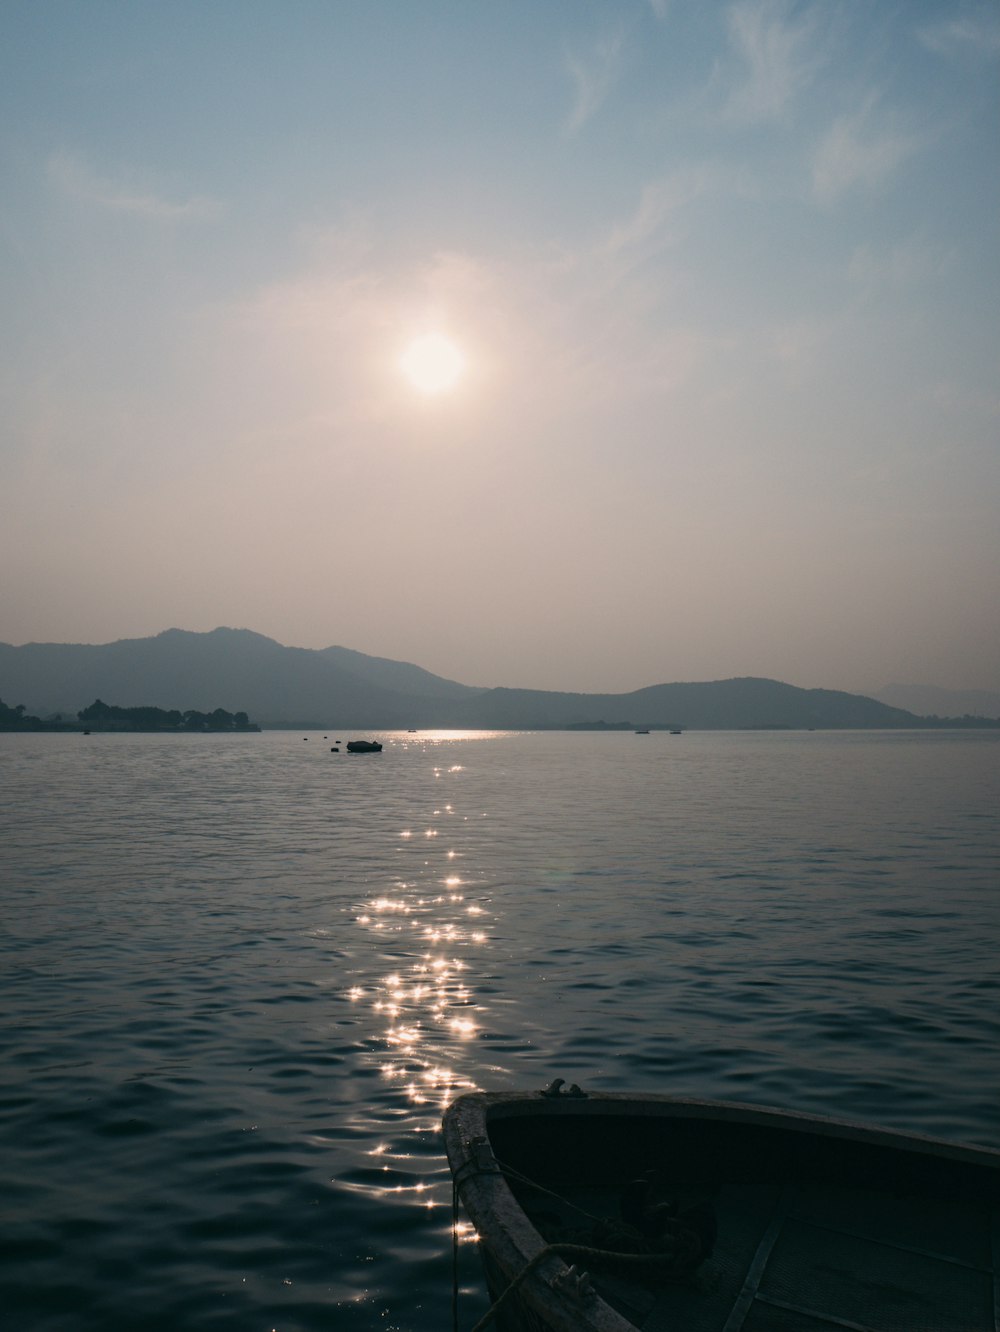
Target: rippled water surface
241	975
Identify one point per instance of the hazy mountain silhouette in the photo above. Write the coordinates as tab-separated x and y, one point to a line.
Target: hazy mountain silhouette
399	676
241	670
719	704
233	668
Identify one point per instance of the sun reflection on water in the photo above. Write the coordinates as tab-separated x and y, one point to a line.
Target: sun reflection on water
423	1010
415	993
423	1018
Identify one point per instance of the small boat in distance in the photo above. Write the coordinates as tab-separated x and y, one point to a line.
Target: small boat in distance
364	747
611	1212
645	732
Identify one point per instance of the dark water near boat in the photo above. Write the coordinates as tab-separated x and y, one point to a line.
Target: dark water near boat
242	975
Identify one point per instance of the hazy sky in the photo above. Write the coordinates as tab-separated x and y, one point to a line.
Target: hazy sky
721	289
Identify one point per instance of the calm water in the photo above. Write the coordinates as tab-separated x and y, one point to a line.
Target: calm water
241	975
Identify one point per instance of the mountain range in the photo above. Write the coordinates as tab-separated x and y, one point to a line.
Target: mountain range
339	687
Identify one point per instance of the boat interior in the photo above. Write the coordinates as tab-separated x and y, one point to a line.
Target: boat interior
763	1228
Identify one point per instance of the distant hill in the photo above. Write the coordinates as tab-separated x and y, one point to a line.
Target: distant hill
276	685
716	705
399	676
337	686
932	701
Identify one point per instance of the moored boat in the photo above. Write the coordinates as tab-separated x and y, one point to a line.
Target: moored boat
364	747
610	1212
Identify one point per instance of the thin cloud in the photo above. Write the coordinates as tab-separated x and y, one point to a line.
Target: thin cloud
801	345
976	35
73	177
859	150
906	264
659	202
778	54
593	75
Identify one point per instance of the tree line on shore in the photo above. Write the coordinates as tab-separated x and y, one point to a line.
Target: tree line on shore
101	716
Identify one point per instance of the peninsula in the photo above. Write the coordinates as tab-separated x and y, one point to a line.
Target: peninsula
107	717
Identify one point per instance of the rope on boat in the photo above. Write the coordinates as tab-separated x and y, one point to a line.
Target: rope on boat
665	1259
509	1172
575	1251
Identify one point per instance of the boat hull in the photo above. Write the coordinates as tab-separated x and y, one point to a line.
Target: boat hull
820	1223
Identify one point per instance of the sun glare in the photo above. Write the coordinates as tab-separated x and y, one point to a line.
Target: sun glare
432	363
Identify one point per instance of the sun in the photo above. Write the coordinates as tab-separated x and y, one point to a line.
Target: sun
433	364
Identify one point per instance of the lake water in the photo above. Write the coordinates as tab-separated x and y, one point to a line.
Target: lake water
241	976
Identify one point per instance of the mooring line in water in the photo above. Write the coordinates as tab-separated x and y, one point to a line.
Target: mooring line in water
454	1256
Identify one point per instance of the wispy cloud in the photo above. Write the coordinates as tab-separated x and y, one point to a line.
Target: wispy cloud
659	202
778	54
908	263
71	175
594	74
974	34
860	149
800	345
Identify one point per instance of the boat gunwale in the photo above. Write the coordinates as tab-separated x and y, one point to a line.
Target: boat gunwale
511	1240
